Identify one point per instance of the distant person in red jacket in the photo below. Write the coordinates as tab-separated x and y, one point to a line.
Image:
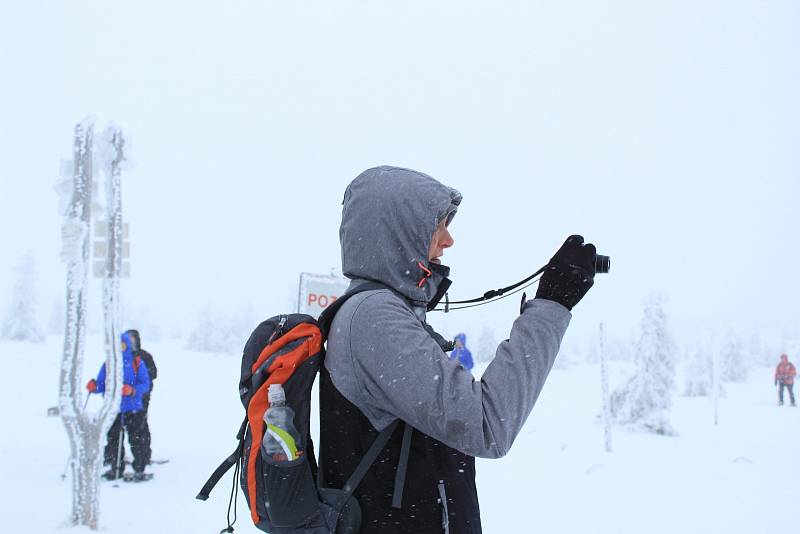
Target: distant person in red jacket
784	376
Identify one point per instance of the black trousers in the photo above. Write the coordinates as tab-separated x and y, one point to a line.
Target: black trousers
135	425
790	387
146	405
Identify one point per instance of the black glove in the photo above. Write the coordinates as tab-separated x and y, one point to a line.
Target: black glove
570	273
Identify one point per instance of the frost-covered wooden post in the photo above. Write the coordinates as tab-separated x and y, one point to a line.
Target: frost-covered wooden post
601	342
86	432
113	156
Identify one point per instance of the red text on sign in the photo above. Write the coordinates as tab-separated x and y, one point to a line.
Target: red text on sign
323	301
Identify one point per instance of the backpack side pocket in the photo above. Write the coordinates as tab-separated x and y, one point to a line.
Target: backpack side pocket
290	494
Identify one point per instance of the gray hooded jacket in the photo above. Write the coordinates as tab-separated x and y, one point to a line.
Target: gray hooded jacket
379	355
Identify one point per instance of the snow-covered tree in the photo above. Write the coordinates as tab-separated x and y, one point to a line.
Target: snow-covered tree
733	359
145	321
615	349
209	333
774	344
487	345
618	349
699	379
644	400
790	344
57	321
764	351
591	353
22	322
569	356
218	331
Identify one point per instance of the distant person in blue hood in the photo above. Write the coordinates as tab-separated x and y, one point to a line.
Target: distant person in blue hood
132	416
462	353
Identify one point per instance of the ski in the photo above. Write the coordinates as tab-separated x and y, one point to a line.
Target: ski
152	462
131	477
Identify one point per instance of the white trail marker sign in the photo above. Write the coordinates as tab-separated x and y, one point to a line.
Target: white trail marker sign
318	291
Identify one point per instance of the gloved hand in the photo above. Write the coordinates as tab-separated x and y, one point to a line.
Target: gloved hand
776	381
91	386
127	390
569	274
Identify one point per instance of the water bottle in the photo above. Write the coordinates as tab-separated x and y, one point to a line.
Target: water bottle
281	440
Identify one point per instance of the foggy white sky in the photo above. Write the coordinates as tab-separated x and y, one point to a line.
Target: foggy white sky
667	134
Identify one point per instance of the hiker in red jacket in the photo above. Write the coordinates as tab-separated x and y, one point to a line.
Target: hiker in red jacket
784	375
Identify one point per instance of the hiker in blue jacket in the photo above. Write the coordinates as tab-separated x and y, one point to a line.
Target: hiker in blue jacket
462	353
132	416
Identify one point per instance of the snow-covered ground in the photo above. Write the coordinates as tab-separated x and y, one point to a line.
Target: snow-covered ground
736	477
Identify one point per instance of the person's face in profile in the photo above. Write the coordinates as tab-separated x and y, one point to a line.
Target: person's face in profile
441	240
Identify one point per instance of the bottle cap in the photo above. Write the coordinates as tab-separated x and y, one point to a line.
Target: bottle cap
276	394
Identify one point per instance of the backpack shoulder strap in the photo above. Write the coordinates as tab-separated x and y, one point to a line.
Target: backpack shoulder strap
369	458
372	454
402	467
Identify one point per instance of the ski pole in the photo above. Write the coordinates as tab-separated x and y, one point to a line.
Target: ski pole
121	445
66	466
69	456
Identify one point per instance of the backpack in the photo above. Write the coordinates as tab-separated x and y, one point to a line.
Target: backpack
147	358
290	497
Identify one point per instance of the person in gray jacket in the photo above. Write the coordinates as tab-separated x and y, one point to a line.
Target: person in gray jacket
383	362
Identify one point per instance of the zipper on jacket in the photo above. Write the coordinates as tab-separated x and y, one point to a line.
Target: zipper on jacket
443	502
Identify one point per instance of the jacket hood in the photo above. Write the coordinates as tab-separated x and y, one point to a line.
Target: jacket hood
462	338
389	215
127	354
135	340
